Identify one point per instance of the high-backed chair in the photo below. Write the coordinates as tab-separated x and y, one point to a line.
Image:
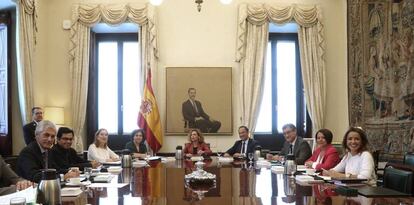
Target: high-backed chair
398	179
409	159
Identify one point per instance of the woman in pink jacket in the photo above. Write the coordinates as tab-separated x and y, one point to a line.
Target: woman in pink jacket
325	156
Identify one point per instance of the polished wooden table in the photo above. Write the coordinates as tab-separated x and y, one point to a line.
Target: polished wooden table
237	183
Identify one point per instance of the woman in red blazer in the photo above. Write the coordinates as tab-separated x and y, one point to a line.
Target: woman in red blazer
196	145
325	156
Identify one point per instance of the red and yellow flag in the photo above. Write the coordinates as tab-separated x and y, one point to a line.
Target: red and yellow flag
149	117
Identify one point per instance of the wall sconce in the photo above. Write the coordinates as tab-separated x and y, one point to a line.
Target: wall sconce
55	114
198	2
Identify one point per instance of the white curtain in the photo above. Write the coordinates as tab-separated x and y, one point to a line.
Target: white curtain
27	29
254	17
83	18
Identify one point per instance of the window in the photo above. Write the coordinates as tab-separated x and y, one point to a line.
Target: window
283	97
118	82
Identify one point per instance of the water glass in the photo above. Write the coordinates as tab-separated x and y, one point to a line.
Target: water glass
219	153
87	171
18	201
250	156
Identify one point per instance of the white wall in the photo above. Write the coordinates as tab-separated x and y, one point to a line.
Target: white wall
186	38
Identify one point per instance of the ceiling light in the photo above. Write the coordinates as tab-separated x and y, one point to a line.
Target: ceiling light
156	2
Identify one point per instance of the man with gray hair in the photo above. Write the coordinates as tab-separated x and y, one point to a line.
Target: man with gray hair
293	145
34	157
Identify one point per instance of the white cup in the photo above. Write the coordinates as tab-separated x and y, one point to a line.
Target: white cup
310	171
75	180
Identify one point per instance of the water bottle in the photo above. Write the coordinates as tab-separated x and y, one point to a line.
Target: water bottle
257	152
126	160
290	165
179	153
48	190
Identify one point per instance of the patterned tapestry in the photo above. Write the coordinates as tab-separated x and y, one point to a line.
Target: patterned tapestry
381	72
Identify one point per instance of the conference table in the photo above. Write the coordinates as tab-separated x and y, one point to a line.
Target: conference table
239	182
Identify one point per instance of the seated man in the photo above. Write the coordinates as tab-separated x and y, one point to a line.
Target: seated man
194	114
293	145
243	146
34	157
9	181
63	156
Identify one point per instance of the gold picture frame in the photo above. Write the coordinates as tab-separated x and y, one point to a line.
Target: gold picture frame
213	86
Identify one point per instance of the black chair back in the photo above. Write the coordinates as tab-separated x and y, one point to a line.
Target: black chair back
399	180
409	159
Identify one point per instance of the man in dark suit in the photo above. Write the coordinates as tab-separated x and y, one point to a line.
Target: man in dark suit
243	146
293	145
195	116
29	128
34	157
63	156
9	181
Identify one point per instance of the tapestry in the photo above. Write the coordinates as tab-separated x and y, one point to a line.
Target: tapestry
381	72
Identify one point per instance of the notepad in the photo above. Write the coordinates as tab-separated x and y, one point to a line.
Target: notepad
369	191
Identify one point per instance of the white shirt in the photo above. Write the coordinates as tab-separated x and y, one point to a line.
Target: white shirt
361	164
245	146
100	154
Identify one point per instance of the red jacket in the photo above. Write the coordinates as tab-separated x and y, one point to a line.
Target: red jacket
329	160
188	149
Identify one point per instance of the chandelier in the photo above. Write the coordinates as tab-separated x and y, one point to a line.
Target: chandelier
198	2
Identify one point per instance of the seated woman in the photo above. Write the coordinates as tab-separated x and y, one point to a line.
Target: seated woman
325	156
357	162
99	150
137	144
197	146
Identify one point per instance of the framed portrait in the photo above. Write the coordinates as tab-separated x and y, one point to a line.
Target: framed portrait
199	97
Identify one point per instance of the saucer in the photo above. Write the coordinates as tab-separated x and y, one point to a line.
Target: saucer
85	183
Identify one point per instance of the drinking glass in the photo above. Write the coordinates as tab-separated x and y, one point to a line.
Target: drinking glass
219	153
18	201
250	156
87	171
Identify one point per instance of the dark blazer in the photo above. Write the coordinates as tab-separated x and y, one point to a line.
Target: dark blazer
29	132
7	178
131	147
190	114
30	162
301	150
251	145
62	159
188	148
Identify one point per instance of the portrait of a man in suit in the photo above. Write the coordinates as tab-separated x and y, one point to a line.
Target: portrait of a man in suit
195	116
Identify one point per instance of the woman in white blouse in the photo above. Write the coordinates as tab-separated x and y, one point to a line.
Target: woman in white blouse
358	161
99	150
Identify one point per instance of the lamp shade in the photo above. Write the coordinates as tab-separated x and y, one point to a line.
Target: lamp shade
55	114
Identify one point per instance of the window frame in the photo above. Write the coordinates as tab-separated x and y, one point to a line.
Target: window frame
275	139
116	141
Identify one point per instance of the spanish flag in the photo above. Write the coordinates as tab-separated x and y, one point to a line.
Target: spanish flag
149	117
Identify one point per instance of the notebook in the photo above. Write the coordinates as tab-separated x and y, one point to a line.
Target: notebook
369	191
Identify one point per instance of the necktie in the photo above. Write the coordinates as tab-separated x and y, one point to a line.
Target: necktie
243	149
291	149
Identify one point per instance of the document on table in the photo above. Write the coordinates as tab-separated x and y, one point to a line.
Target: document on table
29	194
108	185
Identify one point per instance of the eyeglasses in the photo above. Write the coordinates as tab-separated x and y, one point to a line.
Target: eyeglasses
287	132
66	139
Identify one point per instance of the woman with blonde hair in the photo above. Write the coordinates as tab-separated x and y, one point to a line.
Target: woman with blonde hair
99	150
196	145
